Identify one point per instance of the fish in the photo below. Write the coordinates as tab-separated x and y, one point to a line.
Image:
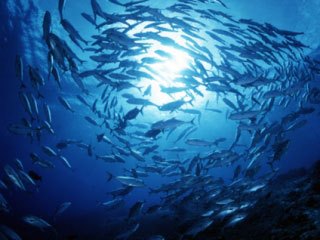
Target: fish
49	151
41	162
199	226
65	104
172	90
184	133
96	8
208	213
89	18
20	129
61	5
152	133
226	212
225	201
19	70
140	101
37	222
65	161
136	210
4	206
104	138
132	114
112	204
121	192
199	142
47	126
296	125
61	209
26	104
14	178
18	164
26	178
91	120
56	76
110	158
230	104
34	105
250	69
150	150
175	149
192	111
173	106
73	33
8	232
170	123
47	112
83	101
36	79
244	115
130	181
236	219
46	25
279	149
256	188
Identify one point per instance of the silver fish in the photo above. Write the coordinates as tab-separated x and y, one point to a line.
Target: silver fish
130	181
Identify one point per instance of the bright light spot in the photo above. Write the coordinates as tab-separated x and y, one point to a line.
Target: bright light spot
165	64
165	72
169	69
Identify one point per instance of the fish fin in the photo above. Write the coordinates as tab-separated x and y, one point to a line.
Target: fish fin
110	176
139	88
192	121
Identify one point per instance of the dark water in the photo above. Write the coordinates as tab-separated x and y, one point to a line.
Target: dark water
86	185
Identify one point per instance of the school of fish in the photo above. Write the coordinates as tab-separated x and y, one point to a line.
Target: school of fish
251	70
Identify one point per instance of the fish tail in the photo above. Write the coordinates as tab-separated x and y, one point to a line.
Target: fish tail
139	88
192	121
110	176
141	110
40	95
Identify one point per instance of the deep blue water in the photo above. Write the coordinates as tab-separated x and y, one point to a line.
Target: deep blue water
85	185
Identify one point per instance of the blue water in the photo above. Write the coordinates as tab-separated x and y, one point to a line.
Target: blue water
85	184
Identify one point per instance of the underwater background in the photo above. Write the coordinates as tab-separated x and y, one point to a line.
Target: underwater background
190	109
